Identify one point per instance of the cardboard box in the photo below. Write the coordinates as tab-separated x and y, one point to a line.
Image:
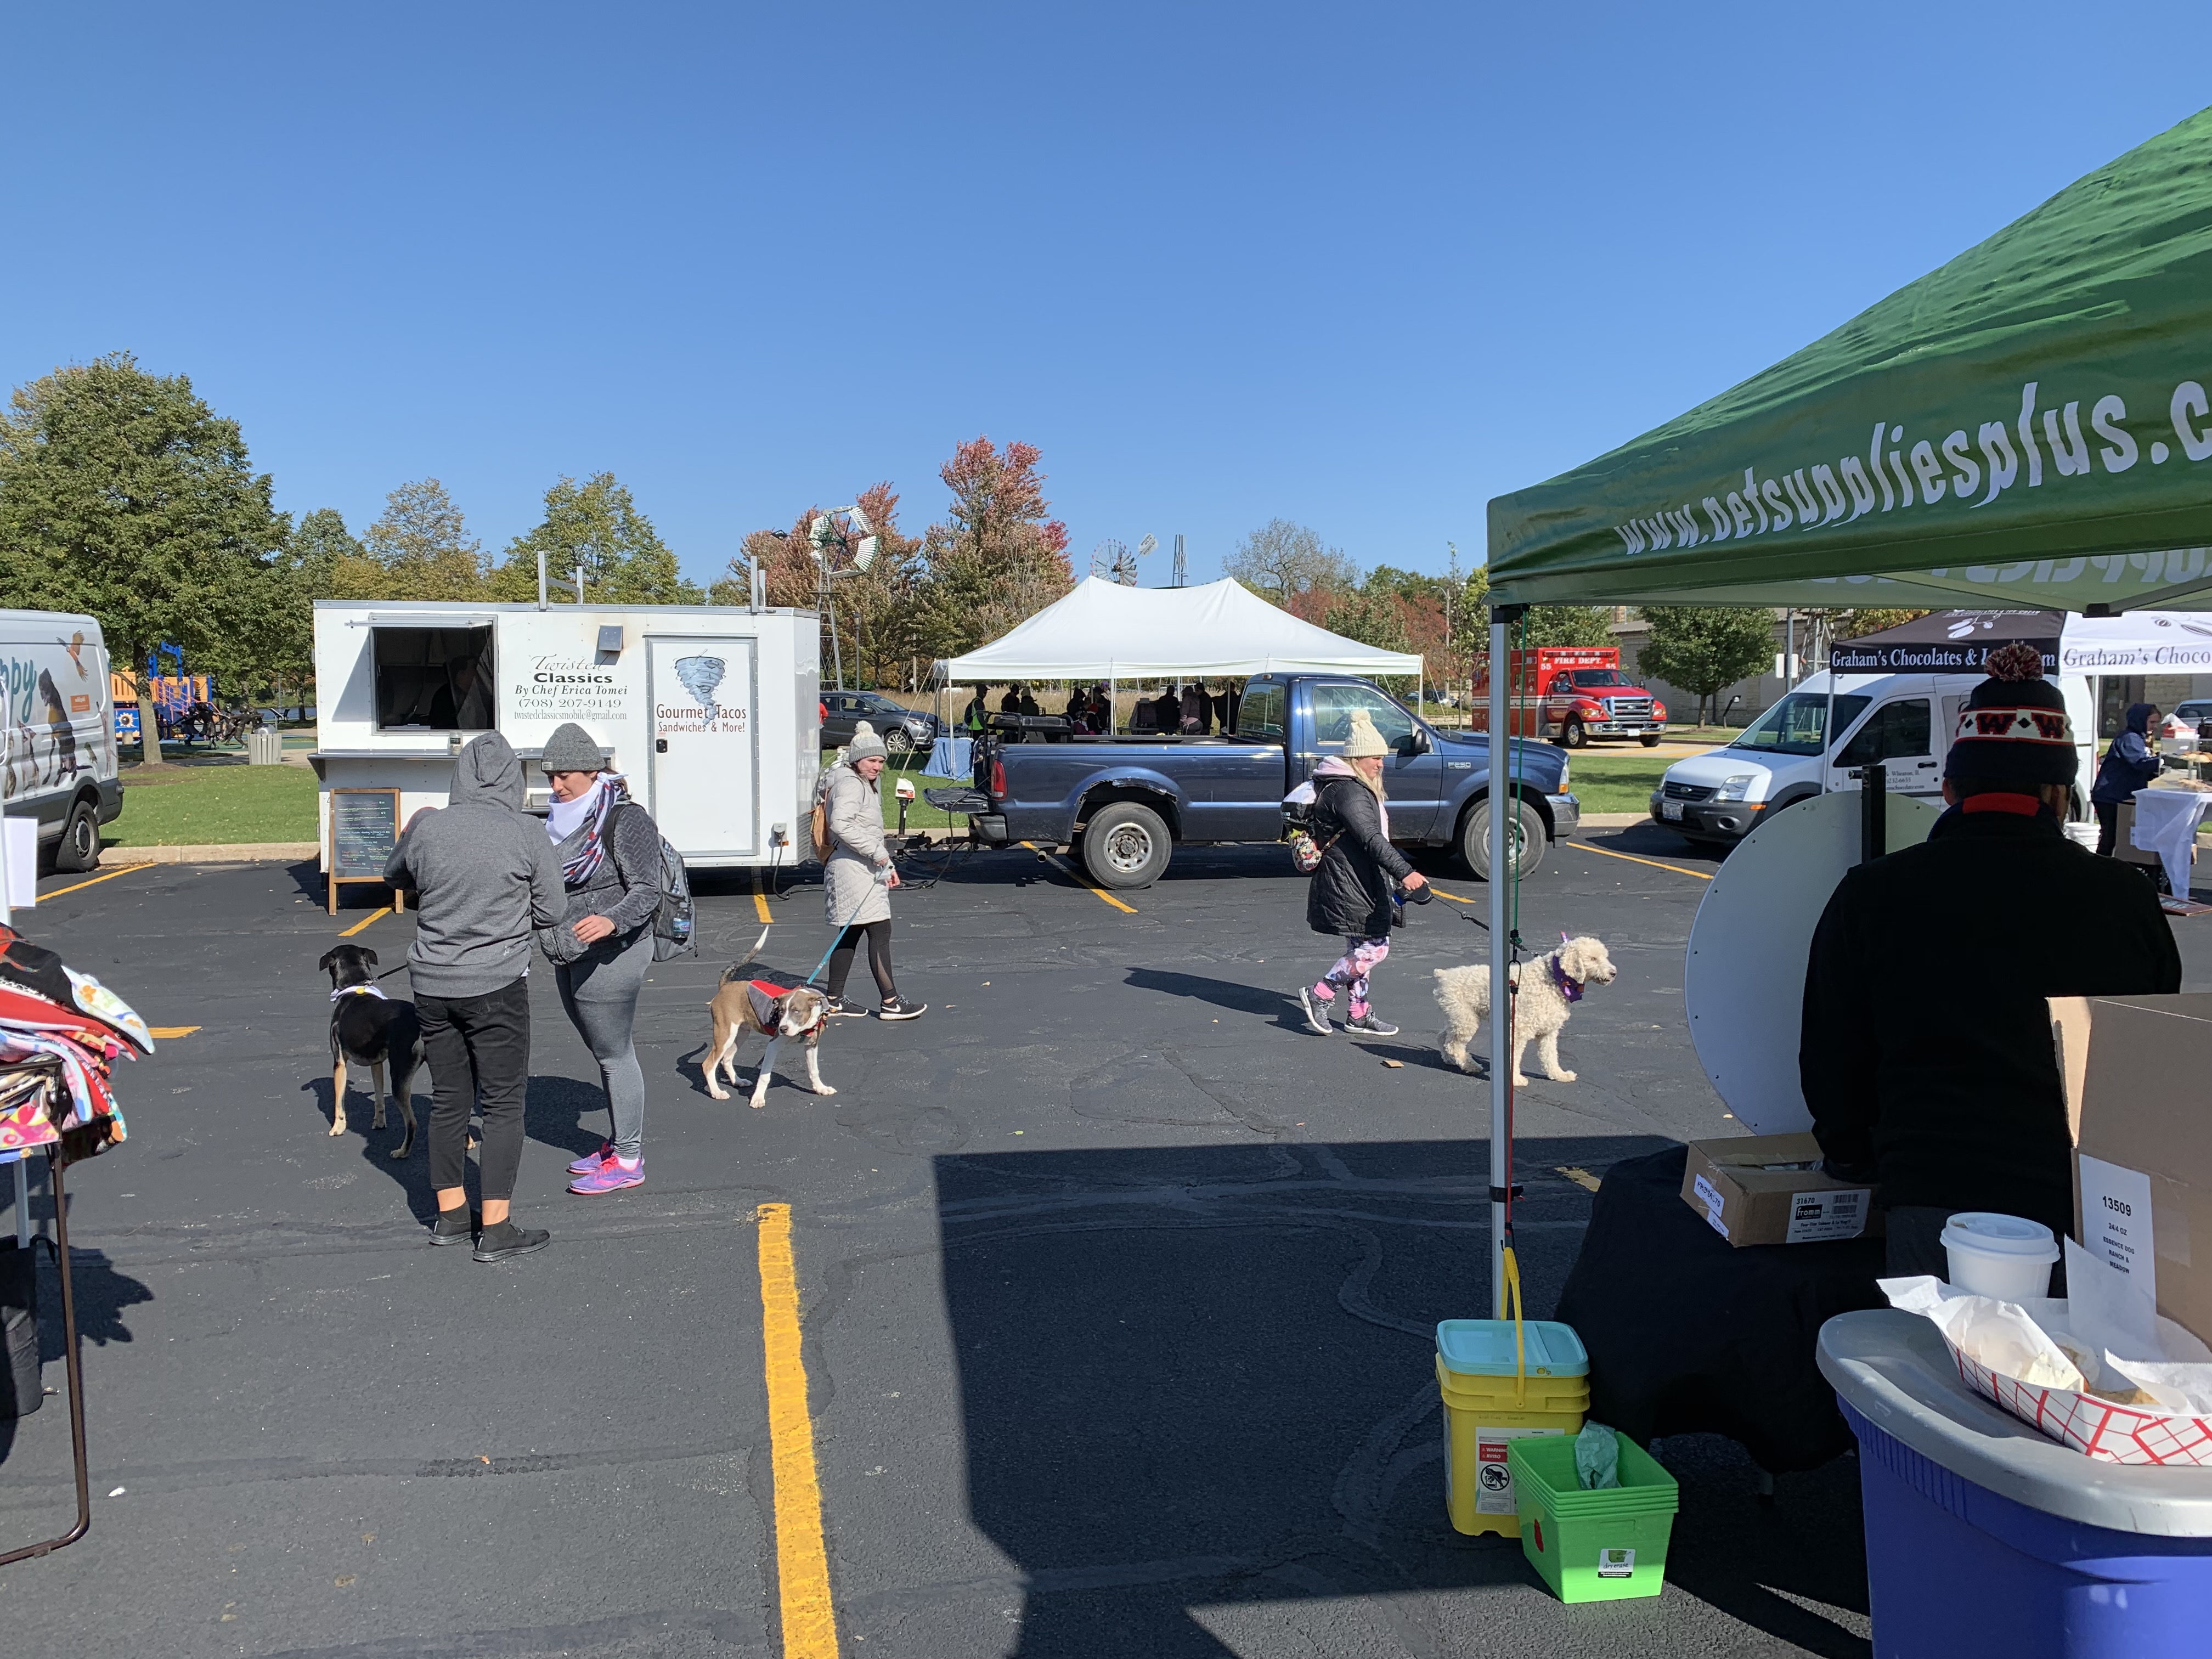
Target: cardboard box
1769	1189
2136	1070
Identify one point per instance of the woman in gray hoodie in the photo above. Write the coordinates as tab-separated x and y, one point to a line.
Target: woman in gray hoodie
609	850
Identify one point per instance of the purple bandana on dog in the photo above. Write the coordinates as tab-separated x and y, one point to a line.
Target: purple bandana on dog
1570	989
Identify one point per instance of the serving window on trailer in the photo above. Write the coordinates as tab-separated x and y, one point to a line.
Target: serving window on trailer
432	679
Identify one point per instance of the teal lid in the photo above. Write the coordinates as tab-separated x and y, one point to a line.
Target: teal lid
1484	1347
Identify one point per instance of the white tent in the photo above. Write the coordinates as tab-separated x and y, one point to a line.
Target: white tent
1104	631
2138	642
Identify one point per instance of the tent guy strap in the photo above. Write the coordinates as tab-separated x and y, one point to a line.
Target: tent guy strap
2028	426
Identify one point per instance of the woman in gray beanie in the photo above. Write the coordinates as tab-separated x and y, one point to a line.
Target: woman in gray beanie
609	849
859	876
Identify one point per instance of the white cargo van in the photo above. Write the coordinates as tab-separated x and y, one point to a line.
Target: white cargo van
59	765
1903	721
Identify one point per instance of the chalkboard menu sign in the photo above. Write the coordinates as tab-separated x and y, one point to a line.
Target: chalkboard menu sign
364	829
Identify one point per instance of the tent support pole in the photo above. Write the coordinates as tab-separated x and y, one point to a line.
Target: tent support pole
1501	953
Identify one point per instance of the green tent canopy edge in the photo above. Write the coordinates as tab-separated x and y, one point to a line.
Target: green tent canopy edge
2028	426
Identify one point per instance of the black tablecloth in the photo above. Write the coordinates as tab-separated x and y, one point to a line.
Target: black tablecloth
1689	1333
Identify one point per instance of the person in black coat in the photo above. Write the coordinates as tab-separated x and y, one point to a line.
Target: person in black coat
2129	765
1926	1053
1350	894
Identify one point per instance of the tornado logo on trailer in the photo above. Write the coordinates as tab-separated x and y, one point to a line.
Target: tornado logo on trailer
699	676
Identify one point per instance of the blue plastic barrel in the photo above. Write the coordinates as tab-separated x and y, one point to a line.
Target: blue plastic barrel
1985	1537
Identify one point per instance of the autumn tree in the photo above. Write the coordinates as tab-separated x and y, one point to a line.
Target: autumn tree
595	526
997	558
1288	564
422	542
123	494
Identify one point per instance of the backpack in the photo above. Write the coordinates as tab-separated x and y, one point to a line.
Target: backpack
818	824
671	920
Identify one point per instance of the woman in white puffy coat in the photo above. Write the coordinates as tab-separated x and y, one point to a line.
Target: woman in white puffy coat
857	879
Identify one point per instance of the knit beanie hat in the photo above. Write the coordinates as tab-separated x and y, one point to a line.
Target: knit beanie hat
570	749
2013	728
1362	740
865	743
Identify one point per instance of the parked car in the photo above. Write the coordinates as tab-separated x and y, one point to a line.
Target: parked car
1122	803
901	729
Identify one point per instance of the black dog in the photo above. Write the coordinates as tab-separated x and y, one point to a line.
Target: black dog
371	1030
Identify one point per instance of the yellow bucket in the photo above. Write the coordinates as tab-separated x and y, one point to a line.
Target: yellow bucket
1502	1380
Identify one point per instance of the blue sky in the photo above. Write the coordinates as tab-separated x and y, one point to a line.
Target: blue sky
1360	266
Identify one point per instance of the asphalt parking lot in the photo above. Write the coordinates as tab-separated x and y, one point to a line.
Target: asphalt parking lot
1116	1288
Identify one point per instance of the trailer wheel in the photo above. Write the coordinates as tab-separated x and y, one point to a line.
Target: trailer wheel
1572	736
1650	739
1125	845
1525	838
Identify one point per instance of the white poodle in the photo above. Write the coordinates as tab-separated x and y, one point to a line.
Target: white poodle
1550	986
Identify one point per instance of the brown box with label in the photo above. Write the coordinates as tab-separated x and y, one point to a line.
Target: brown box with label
2138	1076
1769	1189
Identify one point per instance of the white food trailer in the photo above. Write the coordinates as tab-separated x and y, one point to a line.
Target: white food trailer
712	712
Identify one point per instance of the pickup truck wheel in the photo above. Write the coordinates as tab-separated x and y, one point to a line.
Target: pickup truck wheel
1525	838
1650	740
1572	736
1125	845
78	849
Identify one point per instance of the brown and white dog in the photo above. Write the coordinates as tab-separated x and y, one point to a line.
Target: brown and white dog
779	1013
1549	986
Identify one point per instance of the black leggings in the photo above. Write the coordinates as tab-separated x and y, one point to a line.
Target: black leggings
2108	826
879	957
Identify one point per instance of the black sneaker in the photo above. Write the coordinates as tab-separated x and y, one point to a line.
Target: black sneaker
1367	1025
454	1226
895	1009
840	1009
507	1241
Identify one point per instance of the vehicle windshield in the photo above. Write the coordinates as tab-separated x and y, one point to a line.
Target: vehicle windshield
1794	726
1599	677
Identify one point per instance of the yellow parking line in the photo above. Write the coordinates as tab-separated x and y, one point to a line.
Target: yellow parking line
802	1562
164	1033
1076	876
1454	898
1579	1175
760	900
349	932
1632	858
127	870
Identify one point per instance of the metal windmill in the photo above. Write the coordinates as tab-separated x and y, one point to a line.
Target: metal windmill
830	543
1117	563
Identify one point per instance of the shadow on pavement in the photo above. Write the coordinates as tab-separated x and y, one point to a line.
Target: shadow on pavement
102	1296
1194	1376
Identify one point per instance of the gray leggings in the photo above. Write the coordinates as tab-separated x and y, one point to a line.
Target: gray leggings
600	993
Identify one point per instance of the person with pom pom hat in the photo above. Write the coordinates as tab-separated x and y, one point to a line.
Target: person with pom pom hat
1352	893
1926	1054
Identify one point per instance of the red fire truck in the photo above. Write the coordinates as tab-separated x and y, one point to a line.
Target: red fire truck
1571	693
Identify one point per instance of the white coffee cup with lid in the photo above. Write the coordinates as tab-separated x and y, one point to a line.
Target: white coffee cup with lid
2006	1256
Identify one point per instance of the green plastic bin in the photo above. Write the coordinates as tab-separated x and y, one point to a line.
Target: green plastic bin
1608	1546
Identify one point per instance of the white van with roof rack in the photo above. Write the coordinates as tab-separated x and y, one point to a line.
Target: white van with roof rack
1795	751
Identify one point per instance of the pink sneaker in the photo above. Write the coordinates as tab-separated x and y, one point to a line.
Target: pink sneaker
590	1161
609	1177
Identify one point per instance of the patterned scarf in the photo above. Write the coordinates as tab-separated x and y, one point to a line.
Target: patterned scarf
583	864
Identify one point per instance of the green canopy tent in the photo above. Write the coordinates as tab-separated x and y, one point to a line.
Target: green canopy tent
2027	427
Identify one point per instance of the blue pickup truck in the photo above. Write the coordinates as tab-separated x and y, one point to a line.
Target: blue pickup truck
1121	804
